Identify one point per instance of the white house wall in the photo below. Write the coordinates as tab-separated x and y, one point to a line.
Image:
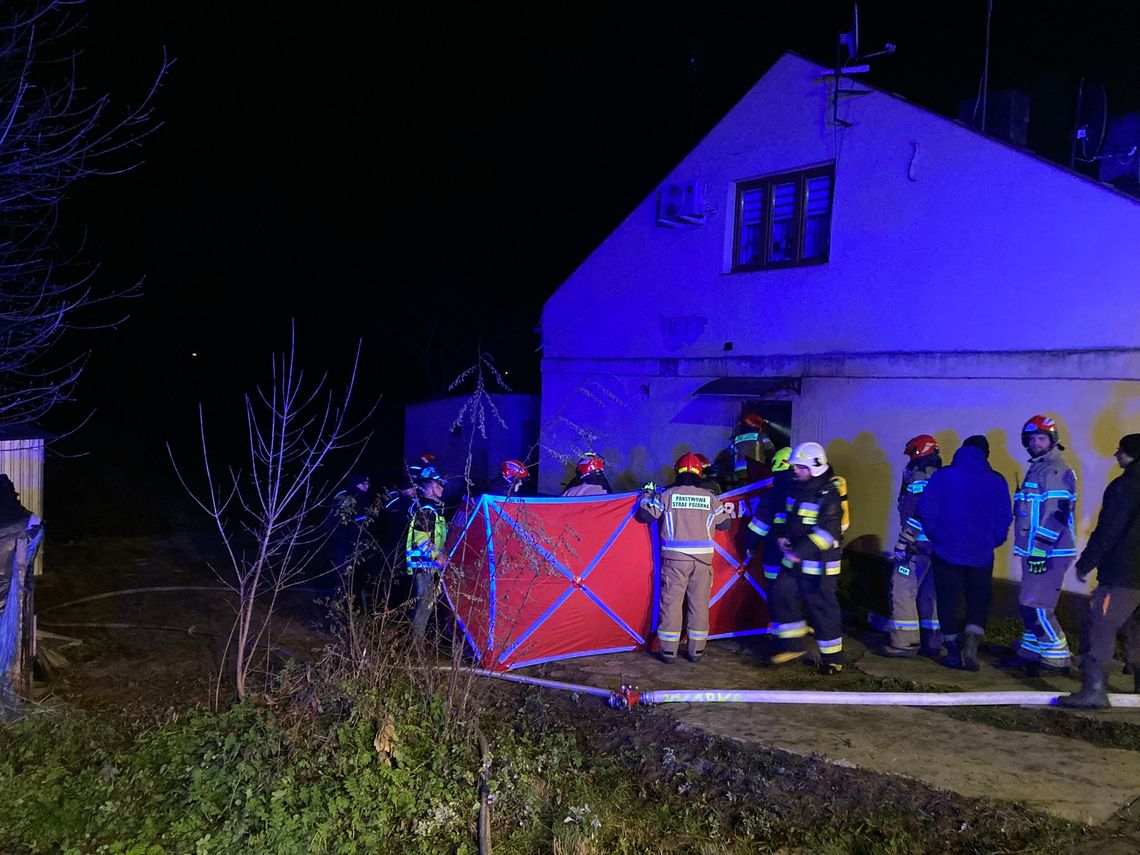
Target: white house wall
990	247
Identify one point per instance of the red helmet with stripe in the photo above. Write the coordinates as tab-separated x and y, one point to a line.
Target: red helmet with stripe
689	463
1043	425
920	446
515	469
590	462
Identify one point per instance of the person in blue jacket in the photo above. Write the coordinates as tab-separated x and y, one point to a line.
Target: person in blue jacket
965	512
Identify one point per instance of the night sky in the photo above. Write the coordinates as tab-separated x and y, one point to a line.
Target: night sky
424	177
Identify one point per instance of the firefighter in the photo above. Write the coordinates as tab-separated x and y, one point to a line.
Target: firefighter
514	472
769	510
1044	537
914	611
424	538
348	516
810	538
751	449
689	513
589	477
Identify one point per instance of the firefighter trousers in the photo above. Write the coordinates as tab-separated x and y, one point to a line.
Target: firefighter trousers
791	594
1043	640
914	607
686	585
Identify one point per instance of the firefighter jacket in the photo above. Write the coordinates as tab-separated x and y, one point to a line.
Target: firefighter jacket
915	478
813	525
1114	546
688	516
1043	508
769	511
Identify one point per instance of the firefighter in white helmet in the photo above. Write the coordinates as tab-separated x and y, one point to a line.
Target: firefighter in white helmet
688	514
810	536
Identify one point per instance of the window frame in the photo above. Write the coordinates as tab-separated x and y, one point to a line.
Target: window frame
800	178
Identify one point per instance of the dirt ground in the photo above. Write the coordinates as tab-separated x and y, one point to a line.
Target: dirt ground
161	649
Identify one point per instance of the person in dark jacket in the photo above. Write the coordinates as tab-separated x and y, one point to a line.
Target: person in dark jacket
1114	550
965	512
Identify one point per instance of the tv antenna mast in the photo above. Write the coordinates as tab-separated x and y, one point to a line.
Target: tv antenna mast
849	60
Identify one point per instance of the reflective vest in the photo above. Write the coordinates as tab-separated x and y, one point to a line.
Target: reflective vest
423	550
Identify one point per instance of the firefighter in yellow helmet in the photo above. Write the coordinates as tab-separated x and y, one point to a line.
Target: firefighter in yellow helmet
688	513
769	509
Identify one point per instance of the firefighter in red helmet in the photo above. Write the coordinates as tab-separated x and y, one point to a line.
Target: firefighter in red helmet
514	472
589	477
1044	537
913	625
688	513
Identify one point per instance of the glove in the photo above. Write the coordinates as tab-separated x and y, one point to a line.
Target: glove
902	552
649	487
1083	573
1036	563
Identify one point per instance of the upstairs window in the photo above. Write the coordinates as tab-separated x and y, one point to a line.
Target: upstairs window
783	220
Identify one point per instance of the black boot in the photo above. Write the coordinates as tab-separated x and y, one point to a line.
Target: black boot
970	651
1093	694
953	657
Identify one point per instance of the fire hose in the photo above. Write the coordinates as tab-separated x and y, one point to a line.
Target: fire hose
628	697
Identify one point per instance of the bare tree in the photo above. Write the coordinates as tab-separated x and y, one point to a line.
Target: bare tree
271	516
52	134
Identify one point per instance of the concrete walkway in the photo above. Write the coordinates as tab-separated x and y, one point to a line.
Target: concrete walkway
1069	778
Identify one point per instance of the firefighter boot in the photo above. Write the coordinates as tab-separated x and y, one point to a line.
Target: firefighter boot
953	657
1093	694
970	651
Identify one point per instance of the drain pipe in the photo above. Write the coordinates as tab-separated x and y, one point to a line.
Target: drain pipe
628	697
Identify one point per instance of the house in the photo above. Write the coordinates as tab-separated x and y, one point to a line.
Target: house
862	270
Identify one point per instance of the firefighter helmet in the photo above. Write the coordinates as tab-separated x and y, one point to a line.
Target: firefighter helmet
780	459
920	446
430	473
688	463
811	455
706	464
515	469
590	462
754	421
1043	425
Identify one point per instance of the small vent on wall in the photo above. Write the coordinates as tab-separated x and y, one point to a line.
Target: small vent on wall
681	204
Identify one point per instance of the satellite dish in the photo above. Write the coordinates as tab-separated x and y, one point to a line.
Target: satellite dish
1092	121
850	39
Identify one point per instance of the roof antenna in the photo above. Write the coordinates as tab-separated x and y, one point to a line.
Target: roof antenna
849	60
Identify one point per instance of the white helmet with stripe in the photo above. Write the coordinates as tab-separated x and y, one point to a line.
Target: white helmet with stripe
811	455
